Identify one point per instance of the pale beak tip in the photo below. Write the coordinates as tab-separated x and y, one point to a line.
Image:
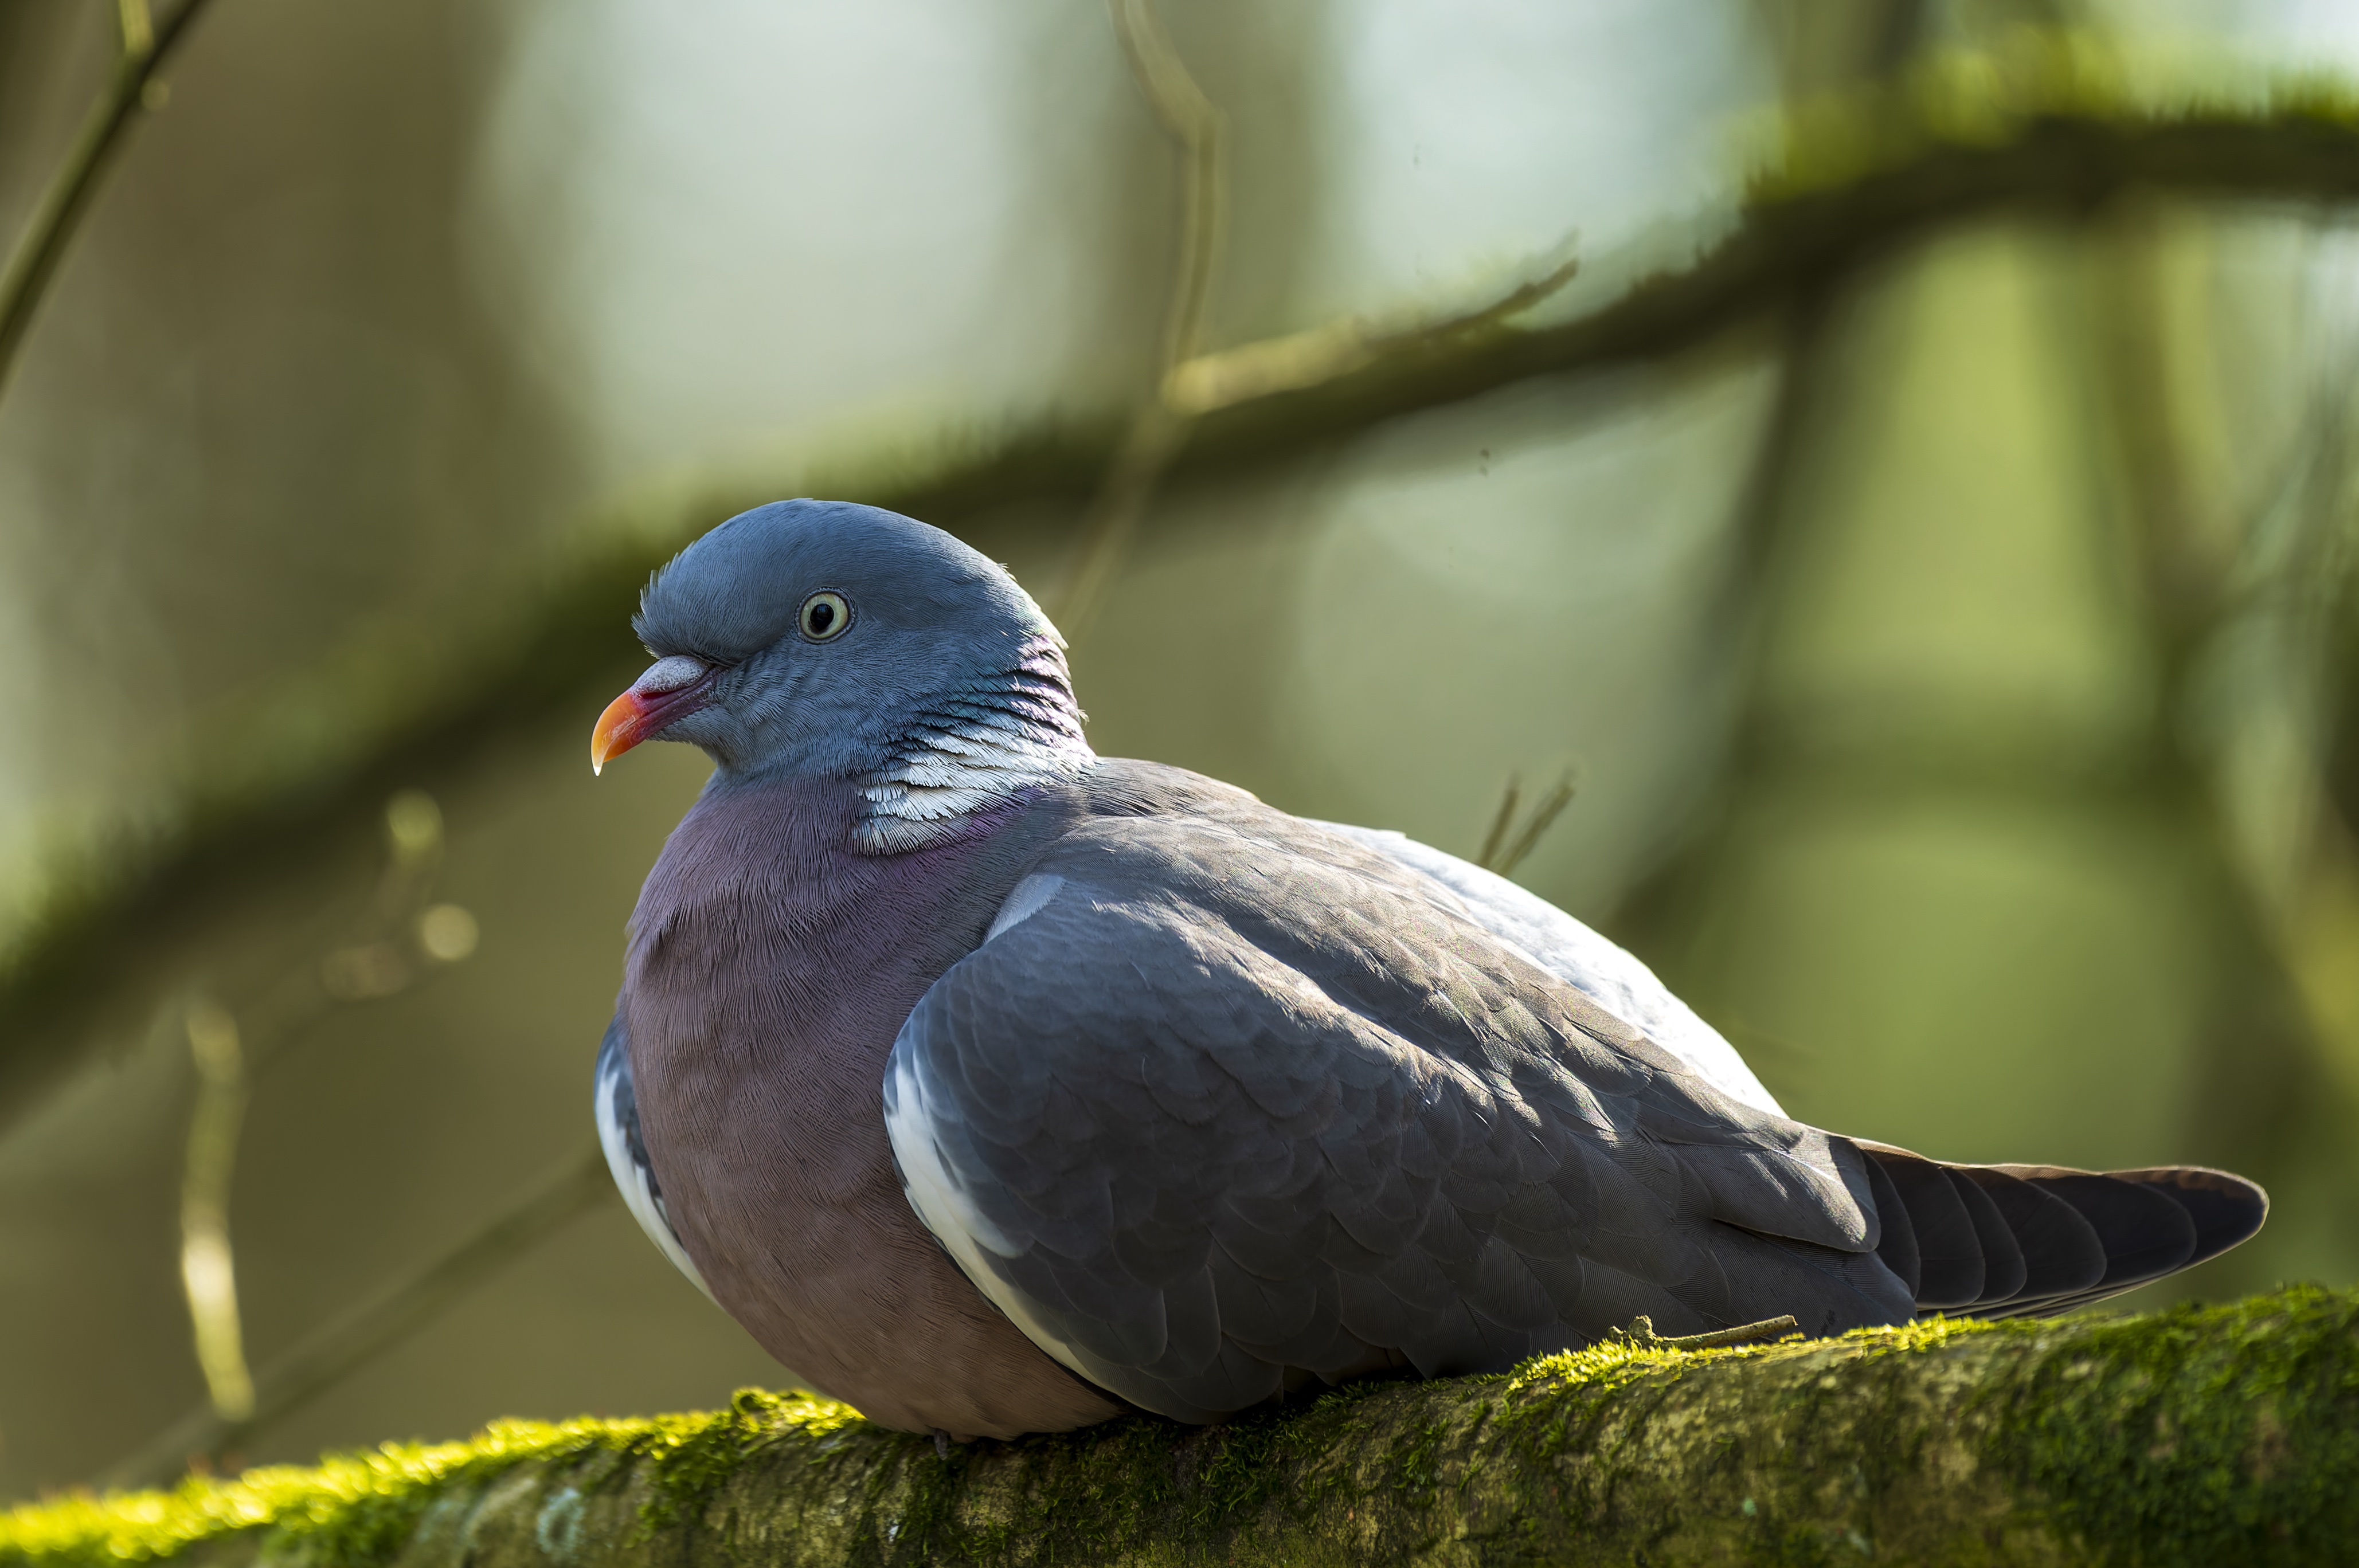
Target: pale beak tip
616	732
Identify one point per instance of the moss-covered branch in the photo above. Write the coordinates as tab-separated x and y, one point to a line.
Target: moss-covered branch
1857	180
2210	1436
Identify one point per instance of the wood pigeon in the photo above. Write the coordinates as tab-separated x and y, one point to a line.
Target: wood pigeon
999	1087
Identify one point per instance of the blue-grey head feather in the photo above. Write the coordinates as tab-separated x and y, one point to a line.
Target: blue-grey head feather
946	690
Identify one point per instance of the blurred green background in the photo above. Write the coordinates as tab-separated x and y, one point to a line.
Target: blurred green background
1949	645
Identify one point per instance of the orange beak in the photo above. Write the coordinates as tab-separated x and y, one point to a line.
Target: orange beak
641	713
623	726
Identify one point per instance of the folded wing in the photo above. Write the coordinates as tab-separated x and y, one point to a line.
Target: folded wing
1237	1106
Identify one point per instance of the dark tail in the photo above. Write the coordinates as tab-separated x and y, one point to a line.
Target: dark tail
2026	1240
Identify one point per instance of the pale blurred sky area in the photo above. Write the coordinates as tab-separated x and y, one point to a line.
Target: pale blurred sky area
722	225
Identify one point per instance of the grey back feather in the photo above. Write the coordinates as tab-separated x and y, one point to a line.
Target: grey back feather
1608	975
1239	1106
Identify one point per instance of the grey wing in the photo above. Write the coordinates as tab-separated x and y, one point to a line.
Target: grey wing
618	1133
1607	974
1210	1119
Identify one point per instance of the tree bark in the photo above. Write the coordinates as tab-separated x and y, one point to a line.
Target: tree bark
2200	1436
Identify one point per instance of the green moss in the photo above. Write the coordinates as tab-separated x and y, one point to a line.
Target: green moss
1144	1488
354	1509
357	1506
2198	1435
690	1458
2165	1439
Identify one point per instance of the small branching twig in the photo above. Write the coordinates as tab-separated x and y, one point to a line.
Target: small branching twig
1505	846
134	86
1641	1333
1190	120
1157	430
1191	382
1496	838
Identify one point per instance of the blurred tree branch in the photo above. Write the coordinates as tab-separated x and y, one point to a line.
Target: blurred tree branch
1795	242
134	86
2247	626
1824	215
1298	361
2235	619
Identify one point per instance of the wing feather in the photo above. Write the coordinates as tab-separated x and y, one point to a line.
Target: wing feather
617	1111
1225	1109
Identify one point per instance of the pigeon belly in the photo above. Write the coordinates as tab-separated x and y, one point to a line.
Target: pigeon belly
770	968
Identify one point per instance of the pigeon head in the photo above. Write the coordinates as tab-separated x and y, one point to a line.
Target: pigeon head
820	639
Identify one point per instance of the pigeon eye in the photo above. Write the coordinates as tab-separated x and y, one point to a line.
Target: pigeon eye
824	616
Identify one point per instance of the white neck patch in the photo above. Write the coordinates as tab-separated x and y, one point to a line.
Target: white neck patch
919	798
971	749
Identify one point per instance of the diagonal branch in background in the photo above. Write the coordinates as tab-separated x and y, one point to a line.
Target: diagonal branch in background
1303	360
561	649
334	1352
1790	247
132	87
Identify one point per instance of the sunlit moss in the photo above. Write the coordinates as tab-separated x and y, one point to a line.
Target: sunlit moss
355	1509
2197	1435
348	1494
694	1456
2205	1434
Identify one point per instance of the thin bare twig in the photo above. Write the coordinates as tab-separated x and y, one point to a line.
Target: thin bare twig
1505	846
1503	819
1190	120
1542	818
1641	1333
334	1352
1157	429
208	1266
402	940
1210	381
1192	383
137	28
135	86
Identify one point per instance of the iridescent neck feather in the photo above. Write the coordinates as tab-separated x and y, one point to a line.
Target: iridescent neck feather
975	747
